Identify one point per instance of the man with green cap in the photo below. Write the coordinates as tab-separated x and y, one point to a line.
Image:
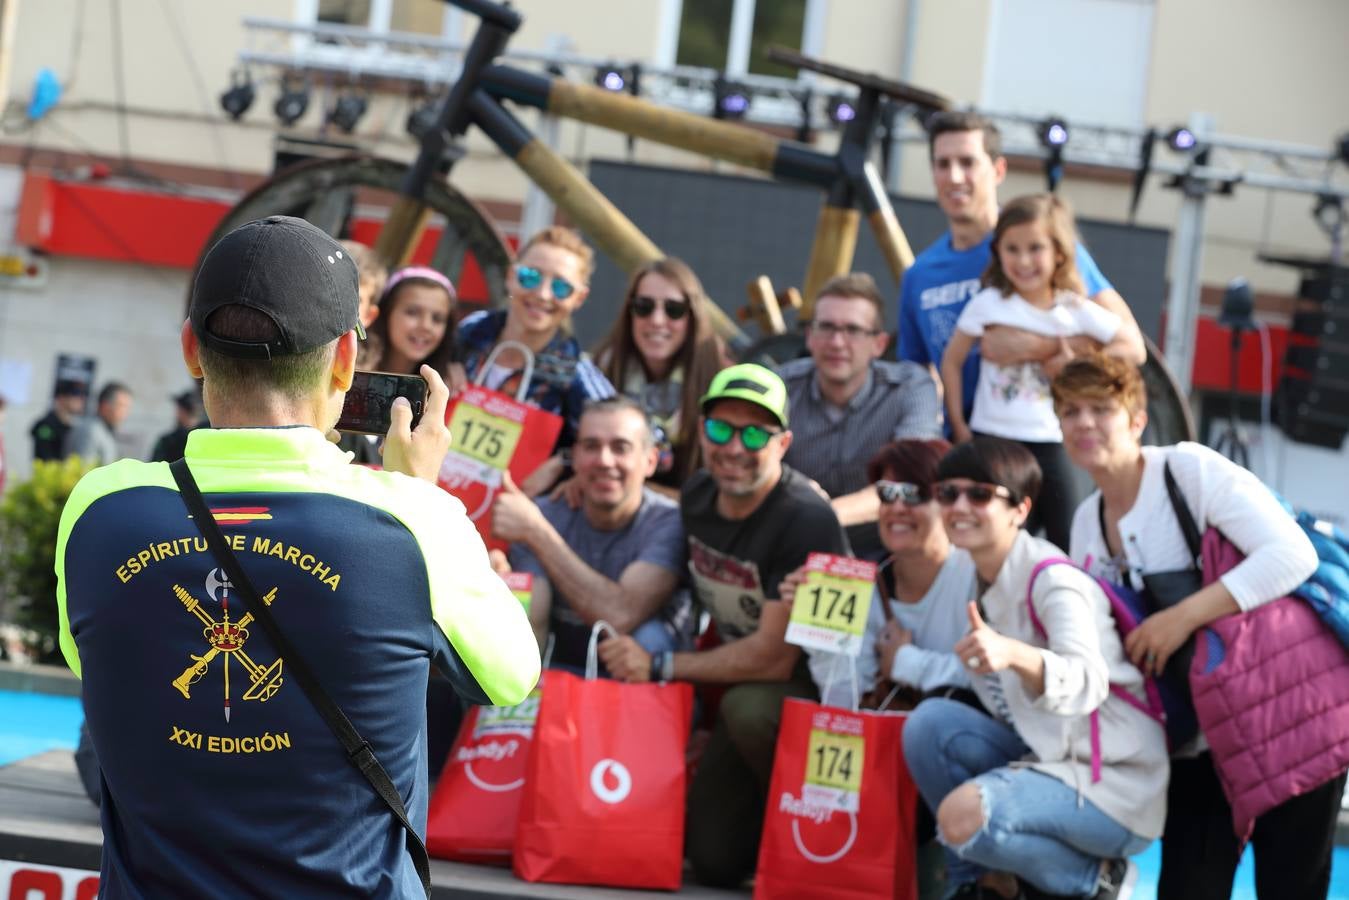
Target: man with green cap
750	520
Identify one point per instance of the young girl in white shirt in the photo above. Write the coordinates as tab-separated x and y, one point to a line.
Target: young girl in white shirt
1031	284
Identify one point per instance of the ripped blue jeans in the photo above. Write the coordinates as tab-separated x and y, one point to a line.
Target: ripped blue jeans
1033	826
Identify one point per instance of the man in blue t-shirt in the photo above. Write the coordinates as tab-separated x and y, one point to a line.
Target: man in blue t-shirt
968	166
619	556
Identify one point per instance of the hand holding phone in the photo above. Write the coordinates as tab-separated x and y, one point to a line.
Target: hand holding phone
369	401
419	451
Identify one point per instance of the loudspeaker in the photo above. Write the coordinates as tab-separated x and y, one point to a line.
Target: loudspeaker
1313	397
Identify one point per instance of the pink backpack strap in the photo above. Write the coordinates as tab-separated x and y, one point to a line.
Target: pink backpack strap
1153	708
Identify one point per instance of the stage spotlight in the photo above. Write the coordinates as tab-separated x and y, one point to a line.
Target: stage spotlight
422	119
294	100
240	95
841	110
732	100
1181	139
1053	133
611	78
347	111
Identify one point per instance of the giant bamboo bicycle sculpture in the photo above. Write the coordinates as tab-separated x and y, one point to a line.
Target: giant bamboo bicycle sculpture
323	191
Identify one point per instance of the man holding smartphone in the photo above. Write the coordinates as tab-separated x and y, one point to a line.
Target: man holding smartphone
220	778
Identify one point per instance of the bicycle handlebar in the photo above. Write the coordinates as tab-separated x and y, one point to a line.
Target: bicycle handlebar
497	13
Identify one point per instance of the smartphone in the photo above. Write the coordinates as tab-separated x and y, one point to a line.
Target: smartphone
370	401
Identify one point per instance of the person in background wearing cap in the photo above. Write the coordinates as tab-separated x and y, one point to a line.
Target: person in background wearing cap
750	520
49	432
207	790
373	275
95	437
847	403
187	413
549	281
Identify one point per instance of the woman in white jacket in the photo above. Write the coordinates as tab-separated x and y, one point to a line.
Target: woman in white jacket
1065	780
1128	529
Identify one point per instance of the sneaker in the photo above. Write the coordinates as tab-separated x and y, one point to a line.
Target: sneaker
1118	879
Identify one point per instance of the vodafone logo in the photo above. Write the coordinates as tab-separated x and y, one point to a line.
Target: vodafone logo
800	809
600	776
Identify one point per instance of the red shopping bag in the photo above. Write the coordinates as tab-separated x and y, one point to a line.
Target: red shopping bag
841	808
604	791
491	433
476	804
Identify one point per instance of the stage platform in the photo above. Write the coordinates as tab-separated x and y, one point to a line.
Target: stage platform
47	822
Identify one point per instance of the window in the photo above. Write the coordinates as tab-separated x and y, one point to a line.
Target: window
706	35
415	16
1082	59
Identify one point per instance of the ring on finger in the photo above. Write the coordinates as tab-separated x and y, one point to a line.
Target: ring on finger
973	662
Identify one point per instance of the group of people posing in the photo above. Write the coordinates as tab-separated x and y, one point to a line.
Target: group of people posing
685	485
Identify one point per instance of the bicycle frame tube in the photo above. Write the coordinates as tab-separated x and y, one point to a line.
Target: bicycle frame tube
726	141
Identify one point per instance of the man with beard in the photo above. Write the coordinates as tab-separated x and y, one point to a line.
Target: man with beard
750	520
618	556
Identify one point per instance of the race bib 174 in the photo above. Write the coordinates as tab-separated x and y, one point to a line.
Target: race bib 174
830	609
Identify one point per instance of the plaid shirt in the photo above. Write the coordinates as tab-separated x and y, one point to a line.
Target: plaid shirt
564	378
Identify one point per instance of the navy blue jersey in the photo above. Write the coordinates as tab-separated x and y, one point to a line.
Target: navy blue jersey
220	777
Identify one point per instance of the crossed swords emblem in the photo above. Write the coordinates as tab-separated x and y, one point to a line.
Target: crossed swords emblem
228	638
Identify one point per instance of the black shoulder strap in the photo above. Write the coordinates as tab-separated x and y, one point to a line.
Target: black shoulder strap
357	748
885	581
1188	527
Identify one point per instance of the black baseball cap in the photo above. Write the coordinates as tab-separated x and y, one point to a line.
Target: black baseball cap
302	279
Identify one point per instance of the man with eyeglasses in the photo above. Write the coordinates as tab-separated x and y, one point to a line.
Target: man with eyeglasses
750	521
965	150
847	402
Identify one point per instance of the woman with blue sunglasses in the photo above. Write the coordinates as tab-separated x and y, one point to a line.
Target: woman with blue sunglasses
662	352
549	281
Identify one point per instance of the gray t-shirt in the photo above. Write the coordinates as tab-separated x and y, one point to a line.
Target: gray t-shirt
655	535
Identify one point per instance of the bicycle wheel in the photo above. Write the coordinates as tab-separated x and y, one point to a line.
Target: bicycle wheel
1169	418
328	193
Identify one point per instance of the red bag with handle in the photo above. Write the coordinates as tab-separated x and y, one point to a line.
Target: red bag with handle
492	433
474	810
841	808
604	790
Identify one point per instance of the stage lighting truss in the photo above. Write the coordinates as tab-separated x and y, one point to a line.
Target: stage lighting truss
427	65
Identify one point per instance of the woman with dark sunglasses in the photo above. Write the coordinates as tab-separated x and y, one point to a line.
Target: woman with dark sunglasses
924	582
663	353
549	281
1066	778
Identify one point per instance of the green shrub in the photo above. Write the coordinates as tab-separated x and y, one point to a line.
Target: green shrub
30	513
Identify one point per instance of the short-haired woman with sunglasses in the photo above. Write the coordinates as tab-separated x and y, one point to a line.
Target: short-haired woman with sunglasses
663	353
549	281
1066	779
924	582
